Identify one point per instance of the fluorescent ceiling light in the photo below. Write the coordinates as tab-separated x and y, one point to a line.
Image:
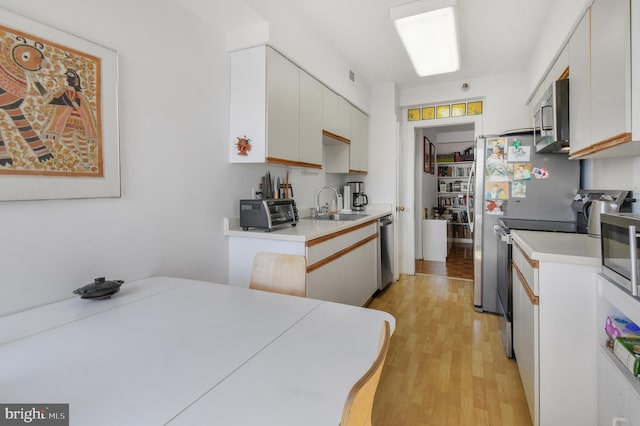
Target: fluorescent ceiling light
428	31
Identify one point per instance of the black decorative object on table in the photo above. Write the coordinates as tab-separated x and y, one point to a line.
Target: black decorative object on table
99	289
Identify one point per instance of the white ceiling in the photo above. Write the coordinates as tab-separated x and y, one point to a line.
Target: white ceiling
496	36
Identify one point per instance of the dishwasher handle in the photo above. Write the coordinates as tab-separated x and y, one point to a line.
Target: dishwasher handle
386	220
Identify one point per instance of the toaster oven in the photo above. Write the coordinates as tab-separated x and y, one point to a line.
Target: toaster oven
267	214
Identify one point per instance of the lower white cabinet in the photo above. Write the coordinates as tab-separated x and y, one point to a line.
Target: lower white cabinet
350	278
434	240
341	267
525	340
557	367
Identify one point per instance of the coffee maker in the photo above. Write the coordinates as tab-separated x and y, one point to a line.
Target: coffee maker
358	198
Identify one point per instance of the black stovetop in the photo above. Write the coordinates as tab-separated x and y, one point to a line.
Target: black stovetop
542	225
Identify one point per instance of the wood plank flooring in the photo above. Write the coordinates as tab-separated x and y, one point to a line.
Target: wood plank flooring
446	364
459	263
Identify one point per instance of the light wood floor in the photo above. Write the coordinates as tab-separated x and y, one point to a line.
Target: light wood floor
446	364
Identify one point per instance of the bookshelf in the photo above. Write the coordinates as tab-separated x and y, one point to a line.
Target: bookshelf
453	195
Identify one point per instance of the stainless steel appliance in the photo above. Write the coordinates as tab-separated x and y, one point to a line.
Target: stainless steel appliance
547	198
385	251
590	203
552	119
358	198
620	243
267	214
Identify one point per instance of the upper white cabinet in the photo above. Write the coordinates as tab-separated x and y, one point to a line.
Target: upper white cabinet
280	114
610	27
580	85
359	147
283	108
272	105
310	120
330	112
345	135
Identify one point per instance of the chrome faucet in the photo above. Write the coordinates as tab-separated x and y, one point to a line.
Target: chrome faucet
323	210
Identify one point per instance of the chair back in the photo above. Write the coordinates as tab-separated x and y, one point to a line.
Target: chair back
279	273
359	405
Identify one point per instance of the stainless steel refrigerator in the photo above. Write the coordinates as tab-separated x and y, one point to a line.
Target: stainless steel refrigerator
513	181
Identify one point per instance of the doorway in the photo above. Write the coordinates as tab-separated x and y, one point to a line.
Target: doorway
422	191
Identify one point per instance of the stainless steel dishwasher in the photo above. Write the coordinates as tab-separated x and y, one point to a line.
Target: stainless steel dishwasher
385	251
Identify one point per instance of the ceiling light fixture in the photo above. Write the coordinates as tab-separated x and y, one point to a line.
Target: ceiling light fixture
429	33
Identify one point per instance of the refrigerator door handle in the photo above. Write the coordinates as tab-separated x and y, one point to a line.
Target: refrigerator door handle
469	216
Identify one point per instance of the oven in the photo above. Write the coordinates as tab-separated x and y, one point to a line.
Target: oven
504	286
502	231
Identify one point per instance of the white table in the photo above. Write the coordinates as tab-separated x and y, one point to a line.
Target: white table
188	352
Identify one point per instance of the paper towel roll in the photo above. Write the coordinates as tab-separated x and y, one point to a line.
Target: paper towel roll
347	197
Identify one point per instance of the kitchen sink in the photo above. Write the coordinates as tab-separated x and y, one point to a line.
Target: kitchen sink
339	216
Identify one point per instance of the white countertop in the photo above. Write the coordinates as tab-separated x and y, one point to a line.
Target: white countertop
306	229
190	352
559	247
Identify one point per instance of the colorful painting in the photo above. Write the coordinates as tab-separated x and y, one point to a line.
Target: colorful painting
522	171
495	207
499	172
496	190
58	113
518	189
496	150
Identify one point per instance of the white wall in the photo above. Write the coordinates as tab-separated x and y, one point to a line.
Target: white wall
504	99
176	183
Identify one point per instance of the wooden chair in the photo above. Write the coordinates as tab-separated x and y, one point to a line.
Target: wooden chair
359	405
279	273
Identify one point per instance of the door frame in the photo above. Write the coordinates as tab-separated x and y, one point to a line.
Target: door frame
407	181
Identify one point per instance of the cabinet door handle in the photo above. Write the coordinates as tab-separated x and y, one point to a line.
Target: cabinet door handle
617	421
400	209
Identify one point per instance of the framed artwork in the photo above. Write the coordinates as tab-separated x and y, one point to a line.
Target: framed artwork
432	158
426	157
459	110
413	114
442	111
59	121
428	113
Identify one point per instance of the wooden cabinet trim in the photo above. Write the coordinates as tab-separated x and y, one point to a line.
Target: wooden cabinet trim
340	253
534	263
336	137
611	142
275	160
331	236
361	172
564	75
525	285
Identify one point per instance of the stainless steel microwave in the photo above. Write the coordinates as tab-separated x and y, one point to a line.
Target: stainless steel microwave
551	119
620	243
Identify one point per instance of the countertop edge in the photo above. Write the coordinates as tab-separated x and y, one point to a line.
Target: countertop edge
548	250
232	228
